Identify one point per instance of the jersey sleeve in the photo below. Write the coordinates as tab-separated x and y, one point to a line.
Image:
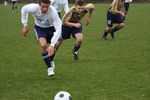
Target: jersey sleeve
66	7
30	8
57	24
89	7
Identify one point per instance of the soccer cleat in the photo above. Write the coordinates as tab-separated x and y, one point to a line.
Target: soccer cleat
75	54
104	38
53	65
50	71
112	34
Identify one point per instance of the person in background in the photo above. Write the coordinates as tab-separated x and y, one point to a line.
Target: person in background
115	15
5	2
71	24
47	28
126	7
59	4
14	5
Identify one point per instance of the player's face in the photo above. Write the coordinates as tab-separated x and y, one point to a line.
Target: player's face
79	9
44	7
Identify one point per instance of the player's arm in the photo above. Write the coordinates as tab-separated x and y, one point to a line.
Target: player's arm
114	10
24	17
66	7
52	2
57	24
90	8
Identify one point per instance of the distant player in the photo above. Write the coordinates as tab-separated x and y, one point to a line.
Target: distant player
14	5
115	14
72	24
59	4
5	2
47	28
126	7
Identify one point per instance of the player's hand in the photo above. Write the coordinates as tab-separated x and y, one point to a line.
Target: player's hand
77	25
50	50
88	20
123	14
25	31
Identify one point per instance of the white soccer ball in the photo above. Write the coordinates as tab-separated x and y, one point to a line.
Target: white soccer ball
62	95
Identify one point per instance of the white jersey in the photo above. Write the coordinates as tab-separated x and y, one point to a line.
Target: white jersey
49	19
128	1
59	4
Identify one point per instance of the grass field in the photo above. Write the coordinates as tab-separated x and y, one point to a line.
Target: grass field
116	69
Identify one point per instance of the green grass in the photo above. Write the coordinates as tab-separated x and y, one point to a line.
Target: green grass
116	69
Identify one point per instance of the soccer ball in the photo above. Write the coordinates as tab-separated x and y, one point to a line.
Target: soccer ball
62	95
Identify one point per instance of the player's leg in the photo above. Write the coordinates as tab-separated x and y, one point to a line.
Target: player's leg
110	21
79	39
121	24
117	28
45	56
59	42
15	6
106	31
126	8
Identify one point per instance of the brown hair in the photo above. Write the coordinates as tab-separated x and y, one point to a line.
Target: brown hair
44	1
79	2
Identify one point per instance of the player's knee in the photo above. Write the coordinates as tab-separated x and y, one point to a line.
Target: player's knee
121	25
44	47
79	40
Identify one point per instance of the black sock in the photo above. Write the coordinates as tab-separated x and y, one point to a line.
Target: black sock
12	7
47	59
115	29
52	57
105	33
16	7
124	18
76	48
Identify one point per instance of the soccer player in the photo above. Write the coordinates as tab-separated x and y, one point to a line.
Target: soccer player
126	7
59	4
72	24
115	14
14	5
47	28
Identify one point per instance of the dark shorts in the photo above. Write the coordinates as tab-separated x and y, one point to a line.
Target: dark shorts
44	32
114	18
14	2
126	6
68	31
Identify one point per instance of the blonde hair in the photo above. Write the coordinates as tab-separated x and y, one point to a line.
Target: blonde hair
117	5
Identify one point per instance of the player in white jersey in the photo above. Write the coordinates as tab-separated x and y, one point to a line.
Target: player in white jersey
59	4
47	28
14	5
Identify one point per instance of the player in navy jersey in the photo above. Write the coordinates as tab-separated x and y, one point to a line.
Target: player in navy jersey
115	14
72	24
47	29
